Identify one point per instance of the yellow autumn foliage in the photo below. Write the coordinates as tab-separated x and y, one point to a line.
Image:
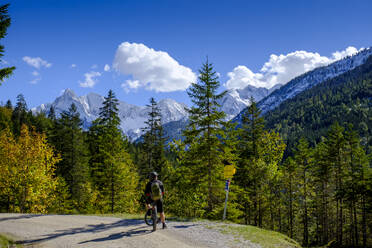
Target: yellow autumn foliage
27	179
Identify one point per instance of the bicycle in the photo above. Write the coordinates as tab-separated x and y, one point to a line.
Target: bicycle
155	219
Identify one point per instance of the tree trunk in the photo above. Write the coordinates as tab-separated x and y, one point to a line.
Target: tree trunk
356	226
306	229
290	210
112	189
364	221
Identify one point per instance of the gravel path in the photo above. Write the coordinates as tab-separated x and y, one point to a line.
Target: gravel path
64	231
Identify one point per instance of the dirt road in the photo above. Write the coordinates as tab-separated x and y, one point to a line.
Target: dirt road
92	231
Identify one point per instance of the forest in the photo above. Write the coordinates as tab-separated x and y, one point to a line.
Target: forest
320	193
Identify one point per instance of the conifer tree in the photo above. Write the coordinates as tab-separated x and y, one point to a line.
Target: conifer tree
112	169
69	141
304	161
19	115
9	104
4	24
248	148
204	158
322	172
153	141
336	157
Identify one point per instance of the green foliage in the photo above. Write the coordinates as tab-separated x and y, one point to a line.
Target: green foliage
345	98
153	143
201	166
259	155
4	24
68	139
113	174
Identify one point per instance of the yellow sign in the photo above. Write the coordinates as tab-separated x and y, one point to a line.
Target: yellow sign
229	171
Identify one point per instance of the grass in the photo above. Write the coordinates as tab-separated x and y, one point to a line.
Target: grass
265	238
6	242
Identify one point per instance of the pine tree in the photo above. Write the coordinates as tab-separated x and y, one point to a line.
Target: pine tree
304	161
112	169
290	187
52	114
336	157
4	24
322	173
19	115
153	141
9	104
248	166
69	141
203	163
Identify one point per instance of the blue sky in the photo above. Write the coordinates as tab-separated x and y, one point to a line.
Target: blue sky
174	37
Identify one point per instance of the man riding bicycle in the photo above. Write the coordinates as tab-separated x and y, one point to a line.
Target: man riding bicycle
154	192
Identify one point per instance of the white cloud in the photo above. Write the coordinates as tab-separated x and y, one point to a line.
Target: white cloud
36	62
106	68
34	81
90	80
73	65
150	69
94	66
35	73
281	69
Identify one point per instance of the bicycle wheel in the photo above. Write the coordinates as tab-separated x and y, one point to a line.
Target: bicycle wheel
154	219
148	217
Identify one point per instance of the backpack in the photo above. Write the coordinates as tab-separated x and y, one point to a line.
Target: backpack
155	191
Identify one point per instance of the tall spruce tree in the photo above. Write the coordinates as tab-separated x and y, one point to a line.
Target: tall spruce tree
248	174
304	160
70	143
205	153
336	157
19	115
112	169
4	24
153	141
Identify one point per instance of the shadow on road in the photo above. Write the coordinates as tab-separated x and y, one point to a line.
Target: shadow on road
91	229
21	216
183	226
131	233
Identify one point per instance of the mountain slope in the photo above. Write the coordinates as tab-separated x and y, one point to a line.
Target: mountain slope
238	99
132	116
309	80
346	98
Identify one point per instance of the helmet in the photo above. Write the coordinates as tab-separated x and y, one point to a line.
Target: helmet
153	175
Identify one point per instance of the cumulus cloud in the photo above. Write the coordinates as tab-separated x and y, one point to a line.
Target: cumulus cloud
90	79
94	66
36	62
73	65
280	69
35	73
106	68
150	69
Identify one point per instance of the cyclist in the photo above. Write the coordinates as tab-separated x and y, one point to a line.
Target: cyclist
149	195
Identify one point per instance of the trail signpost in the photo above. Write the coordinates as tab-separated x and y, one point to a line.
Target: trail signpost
228	172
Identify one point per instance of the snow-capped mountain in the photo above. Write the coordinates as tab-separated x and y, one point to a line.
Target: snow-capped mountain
238	99
132	116
310	79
